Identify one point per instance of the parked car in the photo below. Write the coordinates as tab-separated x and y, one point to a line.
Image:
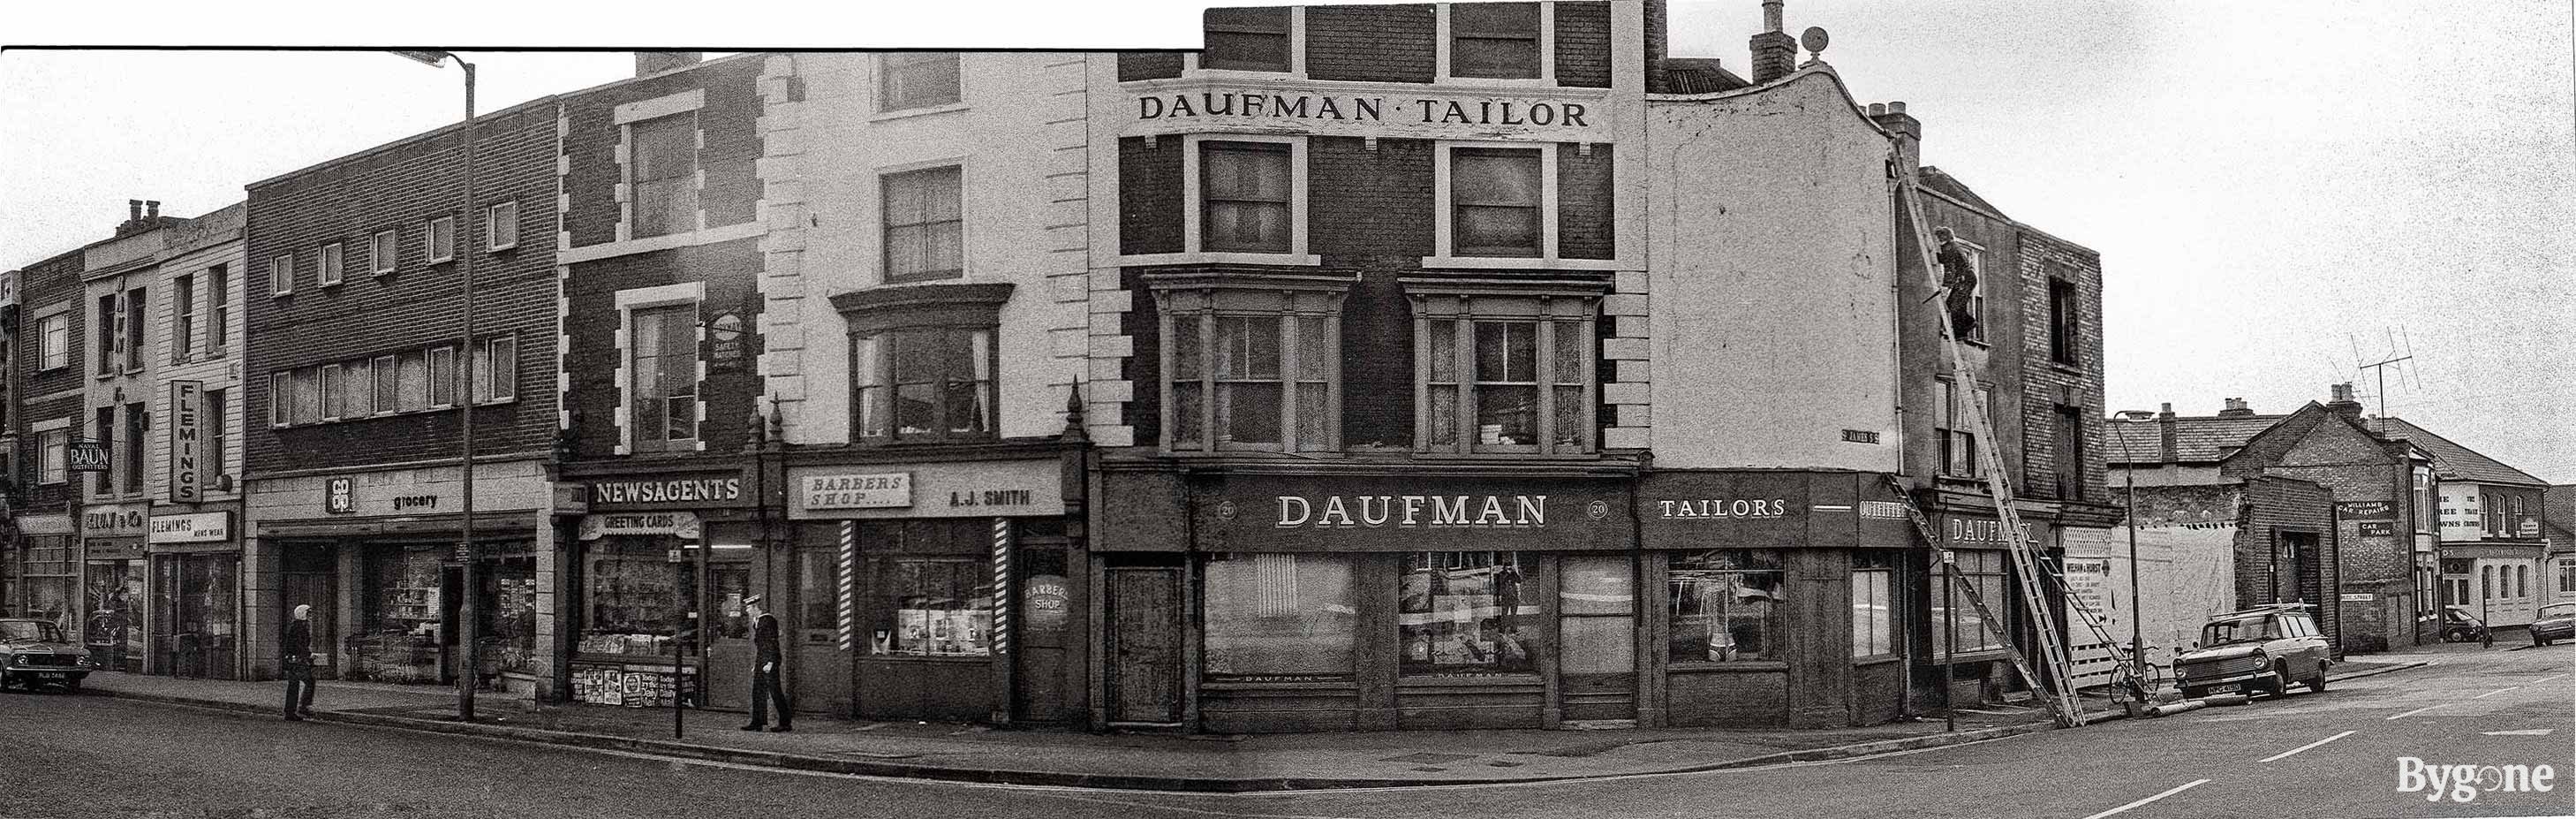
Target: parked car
2258	651
2459	626
2557	622
34	652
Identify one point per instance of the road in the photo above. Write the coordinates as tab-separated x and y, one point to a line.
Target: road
2325	755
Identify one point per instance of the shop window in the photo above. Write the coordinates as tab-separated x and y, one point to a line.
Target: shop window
818	583
1503	373
1279	614
931	607
53	449
1981	572
1494	40
663	378
1251	362
401	599
1245	196
1959	449
634	594
662	173
54	334
1248	39
48	580
924	383
1874	608
1596	605
1726	606
1494	202
1466	613
441	239
917	79
925	224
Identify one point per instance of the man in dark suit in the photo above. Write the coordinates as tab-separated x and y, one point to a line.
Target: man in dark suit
765	668
295	654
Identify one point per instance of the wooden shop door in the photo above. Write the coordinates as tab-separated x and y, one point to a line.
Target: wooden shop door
1144	644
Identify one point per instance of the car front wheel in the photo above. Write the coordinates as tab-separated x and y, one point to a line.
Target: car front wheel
2317	684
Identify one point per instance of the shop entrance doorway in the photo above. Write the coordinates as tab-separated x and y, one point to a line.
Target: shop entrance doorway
310	577
1597	624
1144	644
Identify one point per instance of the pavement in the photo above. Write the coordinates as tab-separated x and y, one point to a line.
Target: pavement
2333	754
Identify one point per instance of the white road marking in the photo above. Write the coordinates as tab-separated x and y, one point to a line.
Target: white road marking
2286	754
2419	710
2526	732
2546	679
2494	692
2177	789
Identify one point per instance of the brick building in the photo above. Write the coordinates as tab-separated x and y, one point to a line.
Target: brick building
2031	333
39	575
355	373
2494	556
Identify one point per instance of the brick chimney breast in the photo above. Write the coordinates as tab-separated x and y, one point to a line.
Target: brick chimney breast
2343	403
2236	408
1775	53
648	63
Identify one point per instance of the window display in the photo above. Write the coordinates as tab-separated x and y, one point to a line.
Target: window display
397	640
1466	613
1982	570
1726	606
1873	600
931	607
634	593
1281	615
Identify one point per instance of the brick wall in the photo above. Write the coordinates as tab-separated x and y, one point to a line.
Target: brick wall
728	124
1586	211
1149	65
1149	195
46	395
1376	219
2274	506
2047	384
729	272
401	187
2354	466
1583	44
1372	43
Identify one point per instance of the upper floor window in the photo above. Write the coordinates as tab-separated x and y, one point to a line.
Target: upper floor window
54	340
662	171
1963	279
1249	39
281	274
925	224
1251	362
501	226
136	328
441	239
53	448
332	263
183	318
1958	441
924	382
1504	367
2064	322
662	373
2070	452
1245	197
111	331
496	370
916	79
380	252
1496	198
219	309
1495	40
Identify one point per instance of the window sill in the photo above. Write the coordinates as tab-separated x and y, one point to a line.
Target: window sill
1743	665
1150	259
667	241
498	248
1880	659
905	113
1521	263
1497	82
922	658
1987	655
1468	679
1284	74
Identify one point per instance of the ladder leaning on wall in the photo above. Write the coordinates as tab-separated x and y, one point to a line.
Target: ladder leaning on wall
2057	687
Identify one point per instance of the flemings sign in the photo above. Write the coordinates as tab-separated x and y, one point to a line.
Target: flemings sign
188	457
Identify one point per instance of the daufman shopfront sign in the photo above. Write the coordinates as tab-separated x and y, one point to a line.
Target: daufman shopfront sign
1290	513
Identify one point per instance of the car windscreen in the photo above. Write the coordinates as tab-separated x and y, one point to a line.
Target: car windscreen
35	630
2246	629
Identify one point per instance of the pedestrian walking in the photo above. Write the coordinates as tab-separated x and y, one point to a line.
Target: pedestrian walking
295	653
765	689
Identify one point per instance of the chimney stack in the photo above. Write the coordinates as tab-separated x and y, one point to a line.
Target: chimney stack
2343	403
648	63
2236	408
1902	129
152	209
2169	447
1775	53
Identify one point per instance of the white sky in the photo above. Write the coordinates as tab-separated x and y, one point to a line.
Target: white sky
2269	183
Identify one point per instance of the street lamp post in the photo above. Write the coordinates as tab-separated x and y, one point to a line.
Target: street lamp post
467	551
2137	613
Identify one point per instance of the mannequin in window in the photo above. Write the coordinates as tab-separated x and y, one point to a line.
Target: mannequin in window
1958	283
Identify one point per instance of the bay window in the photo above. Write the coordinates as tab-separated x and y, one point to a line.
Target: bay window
924	383
1251	362
1504	367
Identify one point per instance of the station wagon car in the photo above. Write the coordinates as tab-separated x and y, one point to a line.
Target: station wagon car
34	652
2257	651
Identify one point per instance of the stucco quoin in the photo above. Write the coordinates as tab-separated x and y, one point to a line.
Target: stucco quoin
1773	250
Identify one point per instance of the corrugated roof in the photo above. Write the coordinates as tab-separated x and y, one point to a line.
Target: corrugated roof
2451	460
2197	438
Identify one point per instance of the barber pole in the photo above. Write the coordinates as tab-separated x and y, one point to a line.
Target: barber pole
849	611
1001	585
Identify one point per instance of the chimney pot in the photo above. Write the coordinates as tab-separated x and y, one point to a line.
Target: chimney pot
2166	410
152	208
133	209
1896	107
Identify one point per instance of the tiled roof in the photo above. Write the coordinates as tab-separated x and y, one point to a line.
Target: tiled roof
2454	461
1950	186
2197	438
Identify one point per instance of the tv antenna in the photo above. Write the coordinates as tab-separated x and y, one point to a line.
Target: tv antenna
2400	349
